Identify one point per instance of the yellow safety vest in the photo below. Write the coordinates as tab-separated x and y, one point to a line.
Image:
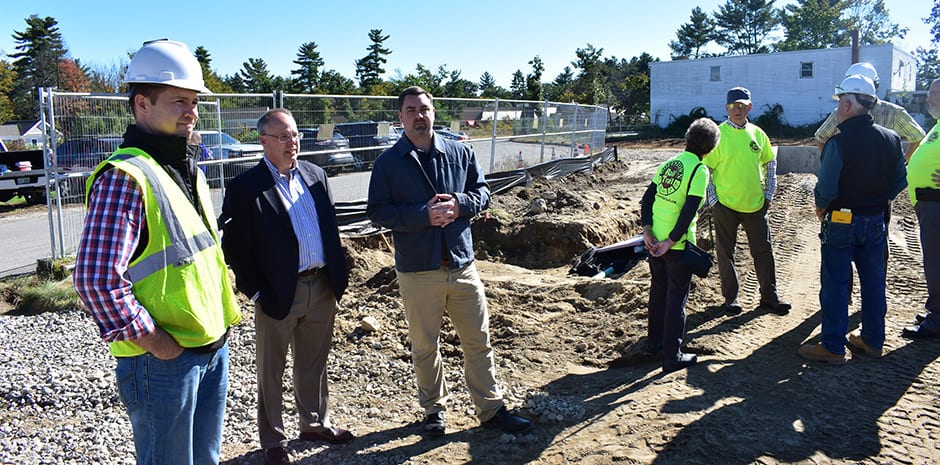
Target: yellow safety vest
181	277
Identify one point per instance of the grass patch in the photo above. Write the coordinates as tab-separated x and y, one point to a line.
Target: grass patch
50	290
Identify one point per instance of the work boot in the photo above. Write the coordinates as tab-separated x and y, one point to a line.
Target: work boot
858	345
818	353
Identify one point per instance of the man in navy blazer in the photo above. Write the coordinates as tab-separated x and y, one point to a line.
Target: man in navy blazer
281	239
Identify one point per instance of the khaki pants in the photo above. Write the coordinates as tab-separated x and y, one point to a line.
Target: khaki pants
308	330
426	296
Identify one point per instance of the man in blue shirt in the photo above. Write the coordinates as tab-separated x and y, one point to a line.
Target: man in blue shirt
426	189
861	170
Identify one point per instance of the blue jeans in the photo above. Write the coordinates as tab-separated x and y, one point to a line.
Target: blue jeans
862	241
176	407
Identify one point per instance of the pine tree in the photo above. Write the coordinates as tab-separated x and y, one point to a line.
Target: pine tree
36	63
256	77
533	81
693	36
744	25
487	85
517	86
369	69
309	63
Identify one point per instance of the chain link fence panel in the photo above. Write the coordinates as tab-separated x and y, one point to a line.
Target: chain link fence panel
341	133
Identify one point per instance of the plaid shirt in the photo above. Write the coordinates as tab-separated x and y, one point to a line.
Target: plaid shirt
111	233
885	114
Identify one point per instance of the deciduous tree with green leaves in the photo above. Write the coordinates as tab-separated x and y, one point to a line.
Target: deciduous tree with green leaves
928	63
813	24
533	81
7	80
693	36
591	86
873	21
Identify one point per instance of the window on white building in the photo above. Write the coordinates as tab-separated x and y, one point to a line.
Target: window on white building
715	73
806	70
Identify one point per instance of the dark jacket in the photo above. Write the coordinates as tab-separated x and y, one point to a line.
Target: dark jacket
259	241
399	190
872	166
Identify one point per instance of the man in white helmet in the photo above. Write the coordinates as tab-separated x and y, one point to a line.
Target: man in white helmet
884	113
151	271
861	170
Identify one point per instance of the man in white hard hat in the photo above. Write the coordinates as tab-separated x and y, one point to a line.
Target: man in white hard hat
861	170
151	271
924	192
884	113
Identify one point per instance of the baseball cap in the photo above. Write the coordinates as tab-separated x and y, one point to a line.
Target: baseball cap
739	94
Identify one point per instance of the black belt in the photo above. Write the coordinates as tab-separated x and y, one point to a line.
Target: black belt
212	346
311	273
926	194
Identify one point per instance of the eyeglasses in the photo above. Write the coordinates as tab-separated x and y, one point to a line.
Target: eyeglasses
737	106
285	138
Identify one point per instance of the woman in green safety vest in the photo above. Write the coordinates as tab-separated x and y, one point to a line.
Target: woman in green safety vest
668	213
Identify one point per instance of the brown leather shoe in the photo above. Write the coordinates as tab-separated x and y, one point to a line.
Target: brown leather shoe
858	345
276	456
818	353
332	435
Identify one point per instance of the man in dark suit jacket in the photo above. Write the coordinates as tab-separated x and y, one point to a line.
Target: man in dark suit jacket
281	239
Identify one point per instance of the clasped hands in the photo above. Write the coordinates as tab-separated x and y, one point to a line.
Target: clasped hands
443	209
654	247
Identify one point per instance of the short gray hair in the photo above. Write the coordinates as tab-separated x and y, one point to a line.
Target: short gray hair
263	120
702	136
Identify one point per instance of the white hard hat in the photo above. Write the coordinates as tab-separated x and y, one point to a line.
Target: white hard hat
865	69
856	84
168	63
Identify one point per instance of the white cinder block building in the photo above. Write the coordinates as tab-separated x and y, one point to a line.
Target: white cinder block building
801	82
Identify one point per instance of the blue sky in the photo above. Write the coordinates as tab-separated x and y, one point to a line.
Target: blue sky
484	35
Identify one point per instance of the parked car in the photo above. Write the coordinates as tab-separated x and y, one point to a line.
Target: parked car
335	149
364	134
84	153
448	134
224	146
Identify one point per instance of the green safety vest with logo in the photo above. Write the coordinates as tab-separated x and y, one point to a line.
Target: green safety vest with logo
672	187
924	161
737	165
180	277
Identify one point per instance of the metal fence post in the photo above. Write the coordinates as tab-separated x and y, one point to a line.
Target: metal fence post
544	130
493	143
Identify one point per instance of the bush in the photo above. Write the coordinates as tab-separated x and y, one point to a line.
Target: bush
774	123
